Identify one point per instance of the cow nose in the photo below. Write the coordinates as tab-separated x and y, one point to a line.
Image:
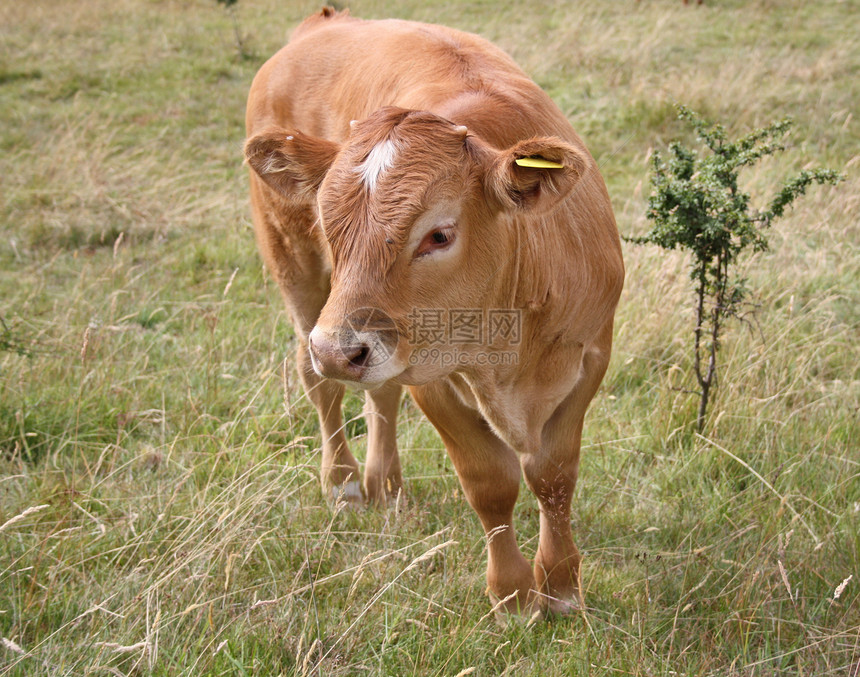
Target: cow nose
341	355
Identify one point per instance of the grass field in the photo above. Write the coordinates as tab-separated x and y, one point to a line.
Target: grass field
159	503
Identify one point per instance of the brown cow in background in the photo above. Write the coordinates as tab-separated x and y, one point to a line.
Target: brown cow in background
433	221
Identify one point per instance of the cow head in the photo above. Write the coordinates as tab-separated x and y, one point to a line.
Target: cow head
416	213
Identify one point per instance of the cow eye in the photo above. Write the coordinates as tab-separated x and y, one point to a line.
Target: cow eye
437	239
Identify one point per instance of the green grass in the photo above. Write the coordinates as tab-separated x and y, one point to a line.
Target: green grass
168	458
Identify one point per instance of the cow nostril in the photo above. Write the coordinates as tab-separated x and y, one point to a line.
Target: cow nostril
360	355
356	355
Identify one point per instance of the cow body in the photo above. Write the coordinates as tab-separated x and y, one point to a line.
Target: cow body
392	205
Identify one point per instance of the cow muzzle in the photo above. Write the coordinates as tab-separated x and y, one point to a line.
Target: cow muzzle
360	351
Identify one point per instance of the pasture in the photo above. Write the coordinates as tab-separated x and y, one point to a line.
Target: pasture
160	510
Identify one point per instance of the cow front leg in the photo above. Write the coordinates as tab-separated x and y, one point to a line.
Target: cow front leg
491	484
551	474
382	476
489	473
557	560
339	473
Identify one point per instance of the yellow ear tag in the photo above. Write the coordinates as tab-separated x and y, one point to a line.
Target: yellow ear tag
537	163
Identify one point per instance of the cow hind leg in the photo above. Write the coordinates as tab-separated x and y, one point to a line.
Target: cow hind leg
298	265
382	476
339	473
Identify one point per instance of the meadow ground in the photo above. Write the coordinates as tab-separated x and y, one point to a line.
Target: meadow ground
159	504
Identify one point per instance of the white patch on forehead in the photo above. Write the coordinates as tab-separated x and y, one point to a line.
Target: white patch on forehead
378	161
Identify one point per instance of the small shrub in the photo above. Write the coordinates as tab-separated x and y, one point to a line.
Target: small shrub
230	5
696	204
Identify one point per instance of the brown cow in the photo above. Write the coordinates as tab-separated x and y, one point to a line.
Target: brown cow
433	221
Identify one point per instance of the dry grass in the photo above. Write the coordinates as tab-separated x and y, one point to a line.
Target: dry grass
159	502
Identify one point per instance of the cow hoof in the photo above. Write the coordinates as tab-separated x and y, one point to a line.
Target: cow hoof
397	501
513	609
506	618
348	493
555	606
391	499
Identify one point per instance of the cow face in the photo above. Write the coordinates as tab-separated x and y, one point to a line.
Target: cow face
416	215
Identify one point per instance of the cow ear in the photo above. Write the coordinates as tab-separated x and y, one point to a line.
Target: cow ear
292	163
535	175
